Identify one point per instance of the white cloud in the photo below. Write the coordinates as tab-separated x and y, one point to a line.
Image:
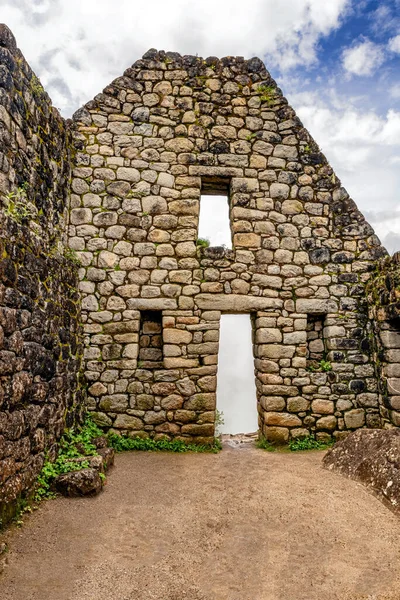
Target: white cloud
89	43
363	147
394	44
78	47
395	90
363	59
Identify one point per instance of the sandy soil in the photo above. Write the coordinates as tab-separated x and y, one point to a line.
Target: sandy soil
241	525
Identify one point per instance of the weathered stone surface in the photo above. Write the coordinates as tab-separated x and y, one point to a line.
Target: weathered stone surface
86	482
134	163
371	457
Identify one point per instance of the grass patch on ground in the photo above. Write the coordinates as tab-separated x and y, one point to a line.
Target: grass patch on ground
122	443
297	445
309	443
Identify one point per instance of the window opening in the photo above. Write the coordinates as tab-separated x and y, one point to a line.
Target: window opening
150	340
214	219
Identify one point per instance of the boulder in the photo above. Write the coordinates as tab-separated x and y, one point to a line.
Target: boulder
86	482
372	457
107	455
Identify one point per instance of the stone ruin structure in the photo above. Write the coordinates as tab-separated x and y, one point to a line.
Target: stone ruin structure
101	271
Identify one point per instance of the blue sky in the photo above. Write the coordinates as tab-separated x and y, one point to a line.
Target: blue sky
337	61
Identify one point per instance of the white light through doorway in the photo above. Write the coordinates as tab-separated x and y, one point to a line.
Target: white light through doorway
214	223
236	390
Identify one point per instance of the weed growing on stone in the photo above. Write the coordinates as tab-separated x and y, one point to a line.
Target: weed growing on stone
17	204
76	443
202	243
308	443
71	255
219	421
322	365
122	443
267	93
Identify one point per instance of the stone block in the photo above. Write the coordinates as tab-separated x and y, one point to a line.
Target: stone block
323	407
354	418
177	336
297	404
247	240
128	422
276	435
281	419
316	306
390	339
236	302
268	335
328	422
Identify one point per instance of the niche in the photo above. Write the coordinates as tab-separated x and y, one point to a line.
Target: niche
150	340
315	340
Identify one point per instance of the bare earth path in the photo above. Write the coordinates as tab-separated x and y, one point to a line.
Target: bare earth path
241	525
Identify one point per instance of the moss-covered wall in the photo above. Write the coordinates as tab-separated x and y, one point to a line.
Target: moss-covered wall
40	343
384	311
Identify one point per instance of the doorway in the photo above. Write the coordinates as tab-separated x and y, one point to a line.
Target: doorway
236	389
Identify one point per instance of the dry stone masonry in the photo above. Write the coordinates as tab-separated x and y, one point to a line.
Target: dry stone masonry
169	128
121	184
40	338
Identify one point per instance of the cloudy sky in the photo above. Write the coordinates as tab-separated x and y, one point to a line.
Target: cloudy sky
337	61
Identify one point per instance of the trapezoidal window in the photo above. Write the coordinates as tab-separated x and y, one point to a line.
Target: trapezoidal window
150	340
214	220
315	341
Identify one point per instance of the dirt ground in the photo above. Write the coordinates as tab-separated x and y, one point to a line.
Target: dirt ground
244	524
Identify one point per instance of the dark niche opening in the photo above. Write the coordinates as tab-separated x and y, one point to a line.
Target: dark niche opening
150	340
316	350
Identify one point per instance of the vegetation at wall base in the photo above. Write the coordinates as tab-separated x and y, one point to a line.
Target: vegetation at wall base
76	443
309	443
264	444
122	443
297	445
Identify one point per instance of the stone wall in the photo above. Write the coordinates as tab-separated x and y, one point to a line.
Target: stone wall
34	144
302	254
40	343
384	308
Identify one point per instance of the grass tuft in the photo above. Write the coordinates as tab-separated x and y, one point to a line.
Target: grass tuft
308	443
122	443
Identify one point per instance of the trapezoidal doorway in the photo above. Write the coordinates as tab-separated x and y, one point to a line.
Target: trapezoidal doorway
236	389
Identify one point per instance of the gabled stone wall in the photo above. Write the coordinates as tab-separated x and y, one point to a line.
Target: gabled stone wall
40	336
302	253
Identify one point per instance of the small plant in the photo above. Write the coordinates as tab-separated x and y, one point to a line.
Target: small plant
264	444
322	365
17	206
325	365
75	443
71	255
267	93
219	421
308	443
202	243
122	443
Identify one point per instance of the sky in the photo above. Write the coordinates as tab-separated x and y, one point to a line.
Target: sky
337	62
